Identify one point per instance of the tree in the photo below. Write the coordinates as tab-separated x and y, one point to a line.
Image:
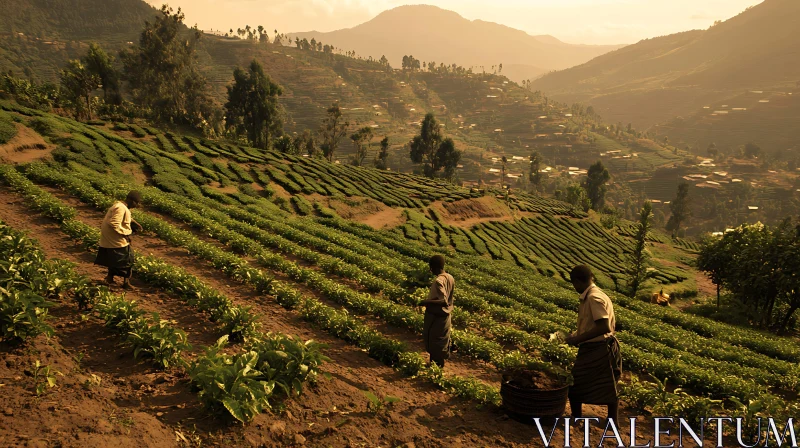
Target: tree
410	63
714	260
535	176
433	150
361	140
576	196
595	185
305	143
752	151
285	144
712	150
163	73
334	127
252	108
449	157
788	277
639	260
78	83
504	161
680	208
99	63
381	162
760	267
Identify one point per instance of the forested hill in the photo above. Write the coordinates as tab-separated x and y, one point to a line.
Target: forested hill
70	19
657	79
444	36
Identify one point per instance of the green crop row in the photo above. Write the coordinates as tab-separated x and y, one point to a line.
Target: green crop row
465	387
27	284
273	360
480	349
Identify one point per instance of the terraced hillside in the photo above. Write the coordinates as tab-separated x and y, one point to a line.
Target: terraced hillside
765	117
238	240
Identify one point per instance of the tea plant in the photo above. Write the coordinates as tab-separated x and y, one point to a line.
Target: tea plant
377	404
44	377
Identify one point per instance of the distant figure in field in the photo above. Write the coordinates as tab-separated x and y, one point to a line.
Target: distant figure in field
438	307
115	251
598	365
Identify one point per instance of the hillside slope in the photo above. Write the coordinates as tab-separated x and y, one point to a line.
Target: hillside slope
659	78
268	231
38	37
446	37
488	115
63	19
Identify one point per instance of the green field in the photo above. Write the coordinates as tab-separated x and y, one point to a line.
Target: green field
511	293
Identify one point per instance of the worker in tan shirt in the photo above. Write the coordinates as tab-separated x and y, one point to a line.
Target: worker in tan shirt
598	365
115	251
438	307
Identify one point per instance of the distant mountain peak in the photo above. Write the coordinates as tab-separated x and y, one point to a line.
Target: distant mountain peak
447	37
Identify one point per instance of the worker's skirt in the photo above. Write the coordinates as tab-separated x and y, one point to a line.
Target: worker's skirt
436	333
597	369
119	260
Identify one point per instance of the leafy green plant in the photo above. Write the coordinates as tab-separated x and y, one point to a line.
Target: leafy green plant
231	382
377	404
92	382
245	383
149	336
26	279
287	361
23	314
44	377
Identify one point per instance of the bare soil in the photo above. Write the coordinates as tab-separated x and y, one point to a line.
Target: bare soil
367	211
229	189
468	212
24	147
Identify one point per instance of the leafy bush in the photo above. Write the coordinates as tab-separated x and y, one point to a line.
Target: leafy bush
7	128
26	281
302	205
49	126
244	383
22	314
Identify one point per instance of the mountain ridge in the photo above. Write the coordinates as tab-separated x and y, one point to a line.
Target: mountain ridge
749	51
467	42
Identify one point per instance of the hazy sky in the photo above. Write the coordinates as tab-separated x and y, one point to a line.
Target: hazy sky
574	21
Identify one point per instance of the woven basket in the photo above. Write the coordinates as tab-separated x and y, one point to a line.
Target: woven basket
533	402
